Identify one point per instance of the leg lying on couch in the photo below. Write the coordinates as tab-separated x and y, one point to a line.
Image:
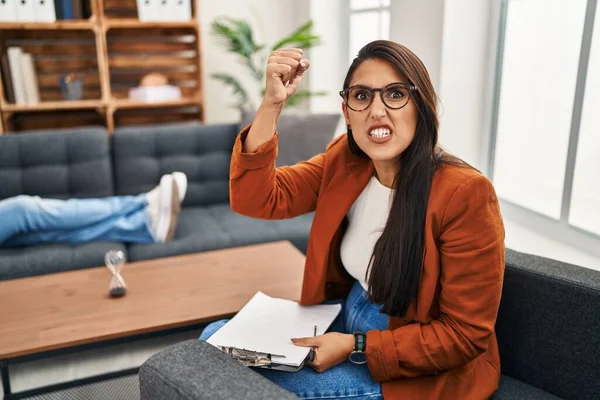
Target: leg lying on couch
146	218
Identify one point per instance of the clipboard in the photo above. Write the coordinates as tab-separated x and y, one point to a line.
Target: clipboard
259	334
255	359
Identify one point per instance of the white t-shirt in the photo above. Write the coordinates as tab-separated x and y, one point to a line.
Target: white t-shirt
366	219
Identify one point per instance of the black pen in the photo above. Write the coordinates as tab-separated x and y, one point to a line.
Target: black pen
311	353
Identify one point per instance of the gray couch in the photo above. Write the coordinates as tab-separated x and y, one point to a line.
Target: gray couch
548	330
87	162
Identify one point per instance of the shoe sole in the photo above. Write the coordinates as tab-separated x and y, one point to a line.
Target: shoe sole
169	209
175	210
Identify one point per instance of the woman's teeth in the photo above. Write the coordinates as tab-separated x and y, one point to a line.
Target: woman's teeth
380	132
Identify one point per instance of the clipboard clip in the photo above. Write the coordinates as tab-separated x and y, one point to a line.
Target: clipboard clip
249	358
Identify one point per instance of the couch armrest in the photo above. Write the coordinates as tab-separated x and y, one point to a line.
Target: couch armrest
196	370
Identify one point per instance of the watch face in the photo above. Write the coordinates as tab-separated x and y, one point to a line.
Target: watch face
358	357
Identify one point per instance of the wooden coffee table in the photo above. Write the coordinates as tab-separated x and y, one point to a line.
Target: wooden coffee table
50	314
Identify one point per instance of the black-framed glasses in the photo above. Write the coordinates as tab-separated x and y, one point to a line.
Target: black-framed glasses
394	96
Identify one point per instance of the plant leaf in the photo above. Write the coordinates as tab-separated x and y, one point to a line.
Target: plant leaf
237	36
237	88
301	38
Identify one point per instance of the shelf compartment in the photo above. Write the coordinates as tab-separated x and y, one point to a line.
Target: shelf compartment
55	54
119	8
159	115
171	52
54	120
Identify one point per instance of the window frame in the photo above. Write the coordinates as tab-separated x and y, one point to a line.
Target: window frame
560	229
379	8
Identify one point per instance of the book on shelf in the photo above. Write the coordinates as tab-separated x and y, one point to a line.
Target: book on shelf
27	11
8	11
147	10
164	10
19	77
64	9
87	8
30	79
181	10
16	74
72	9
9	93
77	9
44	10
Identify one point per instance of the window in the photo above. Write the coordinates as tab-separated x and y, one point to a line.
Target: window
545	147
369	20
585	198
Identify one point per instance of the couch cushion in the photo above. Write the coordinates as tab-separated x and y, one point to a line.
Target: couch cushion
245	230
142	154
58	163
548	326
196	231
513	389
21	262
302	135
215	227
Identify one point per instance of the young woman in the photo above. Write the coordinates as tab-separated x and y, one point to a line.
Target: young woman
411	237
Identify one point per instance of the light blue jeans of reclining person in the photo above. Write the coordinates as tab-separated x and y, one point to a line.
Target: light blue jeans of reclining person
344	381
30	220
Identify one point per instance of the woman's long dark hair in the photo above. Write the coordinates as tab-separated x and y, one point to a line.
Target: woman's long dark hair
395	267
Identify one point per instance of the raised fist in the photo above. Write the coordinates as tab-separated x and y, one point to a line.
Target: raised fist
285	68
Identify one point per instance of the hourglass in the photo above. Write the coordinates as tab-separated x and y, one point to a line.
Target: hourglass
115	261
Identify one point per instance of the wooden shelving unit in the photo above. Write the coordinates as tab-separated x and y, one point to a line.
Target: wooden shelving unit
111	51
58	25
134	23
52	105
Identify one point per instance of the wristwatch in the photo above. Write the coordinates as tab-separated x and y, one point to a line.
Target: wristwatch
358	355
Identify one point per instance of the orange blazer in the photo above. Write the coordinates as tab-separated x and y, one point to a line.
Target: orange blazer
445	347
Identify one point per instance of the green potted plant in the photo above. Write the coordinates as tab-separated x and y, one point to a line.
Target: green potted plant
237	36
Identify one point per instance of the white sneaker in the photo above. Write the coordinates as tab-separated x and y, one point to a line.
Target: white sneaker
164	206
182	183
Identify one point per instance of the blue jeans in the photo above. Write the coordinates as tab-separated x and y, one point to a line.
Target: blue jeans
28	220
344	381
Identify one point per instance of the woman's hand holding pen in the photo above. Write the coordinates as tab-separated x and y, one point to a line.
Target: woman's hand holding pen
331	349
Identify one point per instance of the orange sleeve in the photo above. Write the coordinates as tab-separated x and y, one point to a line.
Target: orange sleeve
258	189
471	276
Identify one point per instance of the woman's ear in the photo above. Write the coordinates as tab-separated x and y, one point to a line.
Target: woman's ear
346	116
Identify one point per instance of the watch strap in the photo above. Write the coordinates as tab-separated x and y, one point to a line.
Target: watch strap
360	341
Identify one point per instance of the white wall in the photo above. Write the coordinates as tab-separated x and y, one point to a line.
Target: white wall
418	26
328	60
271	21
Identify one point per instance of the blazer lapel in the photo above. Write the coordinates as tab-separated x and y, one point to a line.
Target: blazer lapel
333	205
341	193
